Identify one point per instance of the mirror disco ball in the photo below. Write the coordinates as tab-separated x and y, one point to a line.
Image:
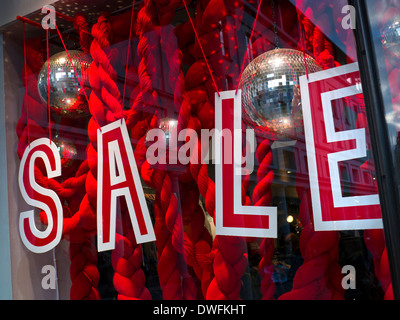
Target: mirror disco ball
268	91
64	84
391	37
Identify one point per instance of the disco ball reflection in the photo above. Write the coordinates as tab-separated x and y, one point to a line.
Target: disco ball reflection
391	37
268	90
67	150
64	84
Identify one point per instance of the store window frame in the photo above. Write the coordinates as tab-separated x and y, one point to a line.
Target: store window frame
5	257
370	70
388	184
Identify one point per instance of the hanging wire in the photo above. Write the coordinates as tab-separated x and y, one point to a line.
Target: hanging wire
127	59
26	84
48	82
201	48
275	24
70	60
248	46
79	80
302	36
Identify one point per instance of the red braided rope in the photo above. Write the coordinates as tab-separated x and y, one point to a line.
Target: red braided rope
248	45
262	195
230	253
33	124
201	47
175	280
195	235
320	275
105	103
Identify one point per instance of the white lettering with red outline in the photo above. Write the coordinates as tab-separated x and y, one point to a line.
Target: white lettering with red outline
36	196
233	218
325	145
118	176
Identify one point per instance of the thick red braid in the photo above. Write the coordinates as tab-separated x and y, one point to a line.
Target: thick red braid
197	241
175	280
71	189
229	253
319	277
262	193
105	106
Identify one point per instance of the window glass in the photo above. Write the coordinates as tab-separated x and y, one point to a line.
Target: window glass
384	24
128	148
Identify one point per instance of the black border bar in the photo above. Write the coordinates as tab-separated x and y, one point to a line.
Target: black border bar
382	151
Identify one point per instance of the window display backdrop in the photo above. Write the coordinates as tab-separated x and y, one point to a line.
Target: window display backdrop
157	67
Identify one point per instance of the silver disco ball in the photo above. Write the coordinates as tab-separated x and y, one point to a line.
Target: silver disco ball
268	91
65	88
391	37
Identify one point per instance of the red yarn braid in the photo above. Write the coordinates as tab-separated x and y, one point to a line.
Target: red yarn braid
105	105
230	253
262	195
320	275
70	190
175	280
197	239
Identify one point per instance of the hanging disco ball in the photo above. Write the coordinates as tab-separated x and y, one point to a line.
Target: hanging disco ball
268	91
65	90
391	37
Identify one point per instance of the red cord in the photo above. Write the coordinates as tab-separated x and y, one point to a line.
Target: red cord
80	82
26	85
127	59
248	46
70	60
48	82
201	48
302	42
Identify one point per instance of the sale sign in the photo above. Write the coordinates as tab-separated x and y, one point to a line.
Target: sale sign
344	194
335	150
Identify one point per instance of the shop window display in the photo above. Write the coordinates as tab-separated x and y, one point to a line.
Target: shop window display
171	66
